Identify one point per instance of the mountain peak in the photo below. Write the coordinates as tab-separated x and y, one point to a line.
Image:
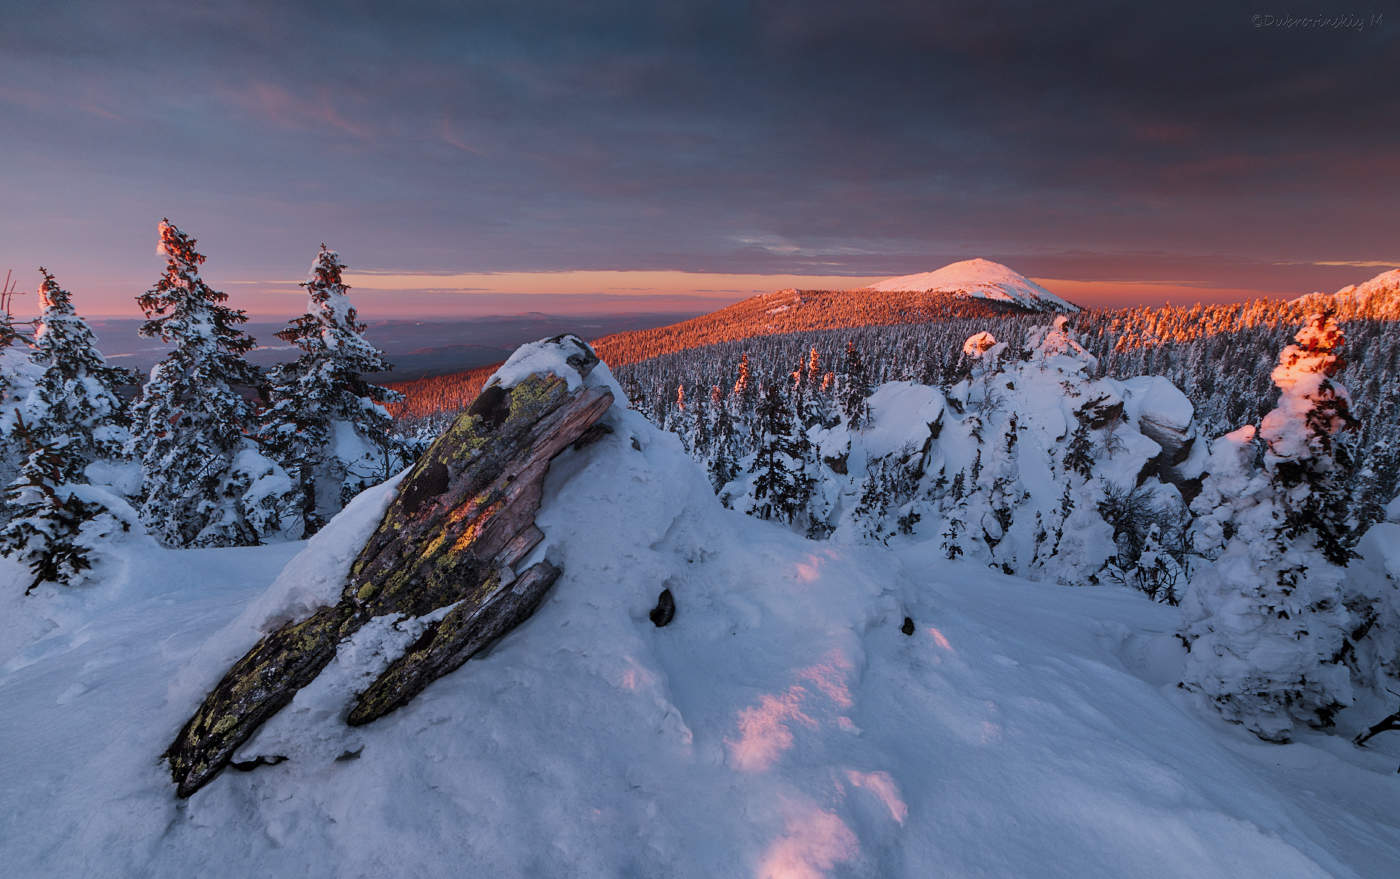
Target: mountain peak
1382	291
980	279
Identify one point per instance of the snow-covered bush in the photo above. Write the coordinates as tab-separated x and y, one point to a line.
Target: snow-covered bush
1267	621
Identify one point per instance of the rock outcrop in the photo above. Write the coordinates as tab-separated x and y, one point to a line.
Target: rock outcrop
462	522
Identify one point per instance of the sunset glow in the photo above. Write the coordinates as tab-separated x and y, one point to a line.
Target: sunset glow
705	439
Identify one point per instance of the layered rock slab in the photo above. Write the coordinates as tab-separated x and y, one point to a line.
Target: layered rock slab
452	538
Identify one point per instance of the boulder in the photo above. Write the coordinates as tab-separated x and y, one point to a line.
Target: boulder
463	520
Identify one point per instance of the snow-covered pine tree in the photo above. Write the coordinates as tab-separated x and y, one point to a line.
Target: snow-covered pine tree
326	425
780	484
721	460
76	401
1307	463
855	388
1266	622
1079	457
19	370
206	482
56	524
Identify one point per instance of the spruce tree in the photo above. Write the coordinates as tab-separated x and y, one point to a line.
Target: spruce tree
780	483
326	425
71	418
56	525
76	403
723	463
192	427
1307	463
1267	622
1079	456
19	370
855	388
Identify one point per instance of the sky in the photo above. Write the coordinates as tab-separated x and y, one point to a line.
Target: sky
498	157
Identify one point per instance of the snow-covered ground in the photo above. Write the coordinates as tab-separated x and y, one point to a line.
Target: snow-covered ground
780	726
980	279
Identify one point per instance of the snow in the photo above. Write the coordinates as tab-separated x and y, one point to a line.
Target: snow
902	413
780	726
549	356
1386	284
316	576
978	343
980	279
1392	511
1155	399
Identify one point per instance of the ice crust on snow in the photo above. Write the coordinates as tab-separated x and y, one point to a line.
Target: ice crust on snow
980	279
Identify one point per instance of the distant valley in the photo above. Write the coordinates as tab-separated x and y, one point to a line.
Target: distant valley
416	348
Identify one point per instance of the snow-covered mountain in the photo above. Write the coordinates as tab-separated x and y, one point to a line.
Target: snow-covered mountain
980	279
836	708
1380	295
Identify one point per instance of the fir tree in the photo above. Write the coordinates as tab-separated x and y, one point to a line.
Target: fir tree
192	426
780	484
1307	464
56	525
952	545
855	388
1079	456
1267	622
723	464
326	425
76	403
19	371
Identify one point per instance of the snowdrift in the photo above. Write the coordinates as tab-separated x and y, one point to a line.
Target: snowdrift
781	726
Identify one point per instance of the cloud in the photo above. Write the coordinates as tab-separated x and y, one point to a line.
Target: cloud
1361	263
817	138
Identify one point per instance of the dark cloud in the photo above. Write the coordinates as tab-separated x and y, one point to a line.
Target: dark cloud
789	135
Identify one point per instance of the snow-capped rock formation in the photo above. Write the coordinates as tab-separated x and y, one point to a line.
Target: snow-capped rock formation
450	561
981	279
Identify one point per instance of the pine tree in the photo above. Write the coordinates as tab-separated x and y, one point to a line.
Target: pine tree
780	484
326	425
1079	456
1307	463
701	442
56	525
855	388
723	464
76	403
742	391
1267	622
192	428
19	371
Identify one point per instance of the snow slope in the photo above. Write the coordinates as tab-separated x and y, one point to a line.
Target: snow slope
981	279
1384	287
780	726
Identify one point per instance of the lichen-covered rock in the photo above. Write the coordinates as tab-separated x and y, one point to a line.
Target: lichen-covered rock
463	518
